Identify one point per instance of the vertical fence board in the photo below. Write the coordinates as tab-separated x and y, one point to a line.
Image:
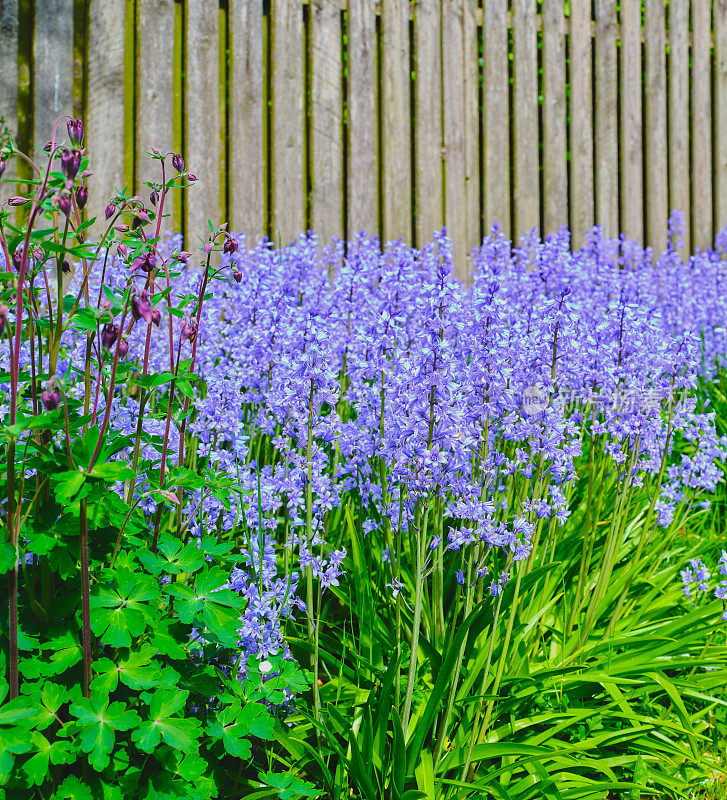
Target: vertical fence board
720	106
361	99
327	120
202	117
288	189
53	66
246	173
657	200
105	112
154	100
454	128
527	196
606	102
396	120
428	119
678	96
471	131
702	124
9	71
632	186
581	116
555	175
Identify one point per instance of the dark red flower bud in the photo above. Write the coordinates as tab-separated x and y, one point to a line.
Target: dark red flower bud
64	204
140	218
192	178
109	333
17	259
18	201
178	162
122	348
189	331
230	246
70	162
184	256
51	399
75	131
123	228
66	268
3	316
2	166
81	197
123	251
47	147
141	306
146	262
110	210
156	316
237	275
154	197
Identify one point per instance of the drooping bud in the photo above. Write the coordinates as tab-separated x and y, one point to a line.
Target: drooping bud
51	397
81	197
230	246
64	204
17	259
47	147
192	178
2	166
110	210
123	250
189	331
184	256
3	316
66	268
122	348
141	306
140	218
237	275
18	201
70	162
109	333
123	228
154	197
75	131
178	162
156	316
146	262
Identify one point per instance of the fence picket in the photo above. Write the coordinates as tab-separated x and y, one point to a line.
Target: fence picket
527	195
555	175
657	207
606	102
105	112
632	186
720	106
581	133
470	54
678	97
9	71
396	120
247	167
327	120
701	98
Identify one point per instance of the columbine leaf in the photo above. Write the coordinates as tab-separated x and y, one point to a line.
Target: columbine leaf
289	787
36	767
172	558
121	611
98	720
176	731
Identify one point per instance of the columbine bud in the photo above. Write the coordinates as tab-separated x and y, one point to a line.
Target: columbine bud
154	197
122	348
156	316
64	204
192	178
51	399
123	250
184	256
75	131
237	275
17	201
140	218
66	268
3	315
81	197
17	259
146	262
47	147
110	210
189	331
178	162
2	166
230	246
70	162
141	306
109	333
123	228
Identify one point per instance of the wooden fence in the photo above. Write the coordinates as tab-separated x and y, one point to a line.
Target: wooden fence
389	115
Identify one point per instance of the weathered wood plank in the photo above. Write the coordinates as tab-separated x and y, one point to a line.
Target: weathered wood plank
581	118
361	97
632	186
678	98
470	53
527	195
657	188
327	120
496	109
606	102
720	108
288	187
202	117
453	81
428	153
396	120
702	233
555	174
246	169
9	72
154	96
53	66
105	112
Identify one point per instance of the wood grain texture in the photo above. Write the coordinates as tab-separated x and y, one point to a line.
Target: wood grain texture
527	195
428	152
678	98
581	131
53	67
657	188
632	170
202	118
555	174
606	103
9	75
288	89
720	110
105	113
246	170
326	120
470	54
496	109
396	120
453	97
362	126
701	99
154	96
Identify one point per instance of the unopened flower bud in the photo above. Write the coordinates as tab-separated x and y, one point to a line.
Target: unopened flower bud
178	162
66	268
110	210
123	250
189	331
122	348
140	218
3	316
2	166
146	262
64	204
75	131
81	196
230	246
70	162
141	306
17	259
47	147
109	333
17	201
192	178
154	197
50	399
123	228
237	275
156	316
184	256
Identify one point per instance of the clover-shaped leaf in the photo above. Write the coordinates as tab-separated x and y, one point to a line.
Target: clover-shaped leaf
122	610
178	732
288	786
172	557
57	752
137	671
98	720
